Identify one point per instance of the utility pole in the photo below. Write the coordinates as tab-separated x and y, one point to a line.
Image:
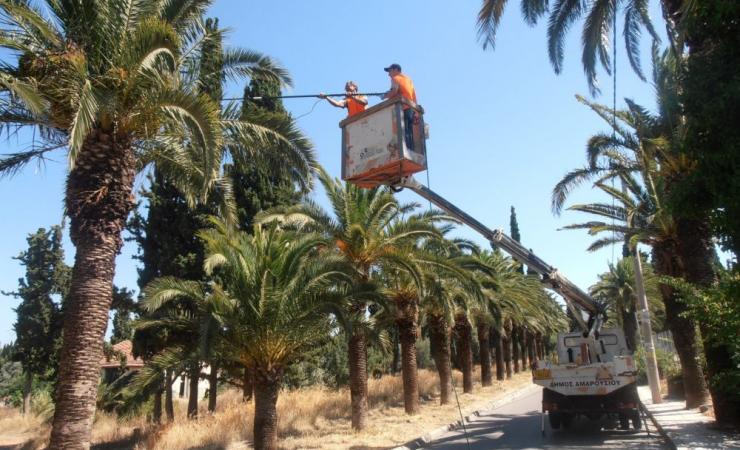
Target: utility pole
646	330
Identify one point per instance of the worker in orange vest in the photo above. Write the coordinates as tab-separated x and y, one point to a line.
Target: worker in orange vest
402	86
355	104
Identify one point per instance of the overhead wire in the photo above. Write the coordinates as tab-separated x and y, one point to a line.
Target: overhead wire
446	307
310	111
614	109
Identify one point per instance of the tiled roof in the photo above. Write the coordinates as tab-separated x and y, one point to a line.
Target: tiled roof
125	348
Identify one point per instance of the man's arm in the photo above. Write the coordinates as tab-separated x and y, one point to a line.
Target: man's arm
394	90
341	104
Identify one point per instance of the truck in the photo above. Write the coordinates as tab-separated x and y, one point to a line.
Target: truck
594	374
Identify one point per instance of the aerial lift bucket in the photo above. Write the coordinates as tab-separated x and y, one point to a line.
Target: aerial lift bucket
375	147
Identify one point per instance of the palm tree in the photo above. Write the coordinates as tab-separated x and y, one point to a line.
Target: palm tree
439	306
271	295
637	220
405	290
595	36
617	289
516	305
360	233
483	323
189	320
103	80
643	146
451	288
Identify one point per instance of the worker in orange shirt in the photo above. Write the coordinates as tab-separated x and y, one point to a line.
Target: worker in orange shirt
401	85
354	103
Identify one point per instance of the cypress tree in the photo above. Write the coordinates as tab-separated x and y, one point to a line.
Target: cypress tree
124	306
514	230
258	188
38	326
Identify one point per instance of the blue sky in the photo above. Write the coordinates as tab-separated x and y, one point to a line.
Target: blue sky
503	127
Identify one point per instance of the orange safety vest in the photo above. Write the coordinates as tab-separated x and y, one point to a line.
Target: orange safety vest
405	88
353	106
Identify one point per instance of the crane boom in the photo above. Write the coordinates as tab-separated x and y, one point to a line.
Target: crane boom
573	295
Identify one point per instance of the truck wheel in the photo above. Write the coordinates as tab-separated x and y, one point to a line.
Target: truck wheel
567	420
636	422
555	419
624	422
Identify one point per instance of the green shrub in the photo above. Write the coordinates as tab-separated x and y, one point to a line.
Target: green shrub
668	367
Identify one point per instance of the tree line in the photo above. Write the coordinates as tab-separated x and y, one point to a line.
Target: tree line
127	87
670	175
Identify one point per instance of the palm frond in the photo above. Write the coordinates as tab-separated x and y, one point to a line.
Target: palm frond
489	18
83	122
595	40
570	181
25	92
564	13
532	10
12	163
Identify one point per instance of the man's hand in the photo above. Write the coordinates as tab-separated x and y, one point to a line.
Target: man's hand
322	95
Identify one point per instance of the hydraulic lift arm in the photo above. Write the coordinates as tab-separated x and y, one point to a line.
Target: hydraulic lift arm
573	295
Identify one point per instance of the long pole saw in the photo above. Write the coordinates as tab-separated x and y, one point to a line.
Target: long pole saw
269	97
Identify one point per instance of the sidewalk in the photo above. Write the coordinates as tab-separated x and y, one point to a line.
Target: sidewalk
685	428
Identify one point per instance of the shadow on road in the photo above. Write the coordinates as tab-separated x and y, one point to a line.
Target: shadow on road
522	431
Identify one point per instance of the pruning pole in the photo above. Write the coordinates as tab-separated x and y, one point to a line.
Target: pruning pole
343	94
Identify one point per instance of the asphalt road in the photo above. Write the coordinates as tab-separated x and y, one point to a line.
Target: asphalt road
517	426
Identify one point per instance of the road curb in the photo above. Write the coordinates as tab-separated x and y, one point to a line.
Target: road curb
427	438
666	435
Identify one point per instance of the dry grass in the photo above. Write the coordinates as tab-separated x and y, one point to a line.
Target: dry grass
319	418
19	431
315	418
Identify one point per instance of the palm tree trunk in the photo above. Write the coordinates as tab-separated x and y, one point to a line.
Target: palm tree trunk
531	343
396	354
682	328
485	354
498	344
629	325
98	200
213	386
697	254
27	387
515	347
463	331
247	386
157	409
169	408
523	348
267	388
407	336
193	379
507	356
358	379
439	335
544	350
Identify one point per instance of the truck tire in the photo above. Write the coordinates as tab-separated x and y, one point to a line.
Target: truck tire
567	419
624	422
636	422
555	419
